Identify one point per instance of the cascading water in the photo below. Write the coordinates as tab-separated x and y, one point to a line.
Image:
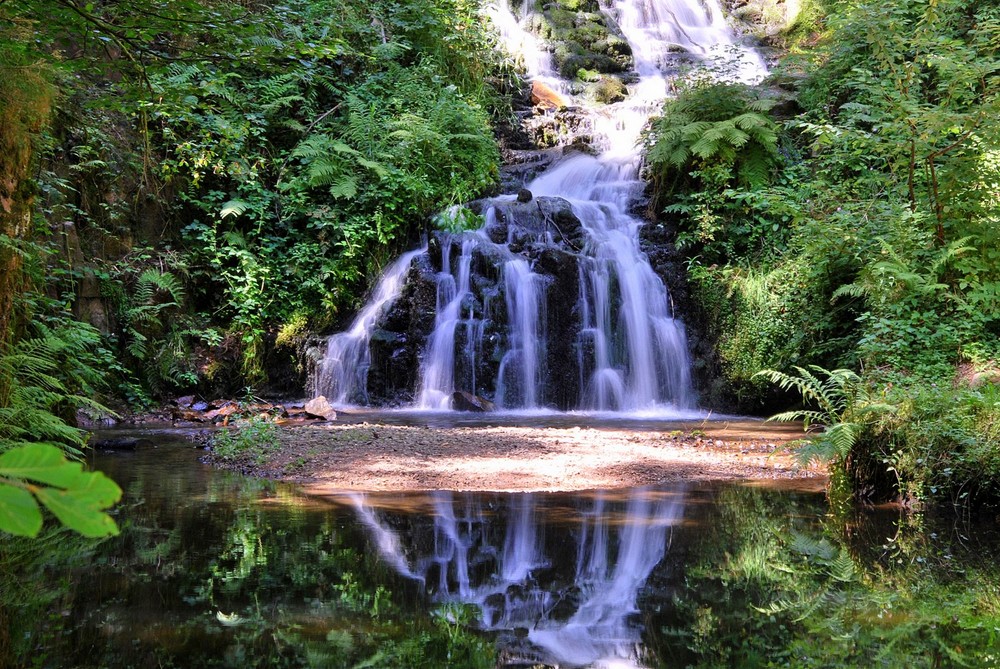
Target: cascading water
553	304
500	561
341	375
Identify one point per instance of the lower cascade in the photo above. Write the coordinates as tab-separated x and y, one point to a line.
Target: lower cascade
501	561
551	304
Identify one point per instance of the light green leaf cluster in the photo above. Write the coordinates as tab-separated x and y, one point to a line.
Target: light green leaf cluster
36	474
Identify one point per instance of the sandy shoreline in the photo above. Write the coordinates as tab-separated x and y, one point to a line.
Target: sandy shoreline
333	457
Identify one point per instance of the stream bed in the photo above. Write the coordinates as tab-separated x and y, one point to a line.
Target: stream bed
214	569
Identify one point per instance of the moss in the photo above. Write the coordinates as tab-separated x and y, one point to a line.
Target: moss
579	5
609	90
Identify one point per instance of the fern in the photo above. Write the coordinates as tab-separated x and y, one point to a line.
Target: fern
714	124
39	378
844	409
234	208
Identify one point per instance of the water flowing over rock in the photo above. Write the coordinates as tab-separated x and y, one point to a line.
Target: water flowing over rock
551	304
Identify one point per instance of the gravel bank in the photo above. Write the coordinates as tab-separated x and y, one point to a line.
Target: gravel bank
333	457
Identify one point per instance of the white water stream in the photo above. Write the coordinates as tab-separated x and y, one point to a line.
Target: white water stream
631	352
342	374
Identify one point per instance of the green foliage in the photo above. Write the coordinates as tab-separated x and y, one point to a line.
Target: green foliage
713	124
38	378
152	334
712	157
872	243
302	182
276	164
249	439
844	408
41	472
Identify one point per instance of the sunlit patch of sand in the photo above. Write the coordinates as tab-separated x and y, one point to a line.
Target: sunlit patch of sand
530	459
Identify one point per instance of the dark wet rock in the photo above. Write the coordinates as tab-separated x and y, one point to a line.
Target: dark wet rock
524	195
320	407
525	222
116	444
464	401
523	166
401	337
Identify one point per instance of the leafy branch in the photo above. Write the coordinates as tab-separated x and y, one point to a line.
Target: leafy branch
35	474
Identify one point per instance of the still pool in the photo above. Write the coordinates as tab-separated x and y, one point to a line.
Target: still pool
212	569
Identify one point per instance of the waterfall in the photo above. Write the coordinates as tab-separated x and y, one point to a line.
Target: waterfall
341	376
501	562
552	303
439	368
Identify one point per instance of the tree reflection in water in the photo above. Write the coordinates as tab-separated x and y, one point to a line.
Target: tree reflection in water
216	570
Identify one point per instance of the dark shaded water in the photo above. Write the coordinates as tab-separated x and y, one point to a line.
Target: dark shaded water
213	569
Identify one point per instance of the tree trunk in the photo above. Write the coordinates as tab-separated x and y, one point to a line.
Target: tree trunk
25	103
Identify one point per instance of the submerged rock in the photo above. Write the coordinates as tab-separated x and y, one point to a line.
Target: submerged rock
117	444
463	401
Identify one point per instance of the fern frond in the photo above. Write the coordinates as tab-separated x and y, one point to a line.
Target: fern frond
806	416
842	438
345	188
762	105
234	208
165	281
850	290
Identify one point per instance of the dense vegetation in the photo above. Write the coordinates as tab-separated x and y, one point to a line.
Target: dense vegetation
218	173
189	189
857	233
186	186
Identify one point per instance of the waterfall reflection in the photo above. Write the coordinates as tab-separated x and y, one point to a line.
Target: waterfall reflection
568	571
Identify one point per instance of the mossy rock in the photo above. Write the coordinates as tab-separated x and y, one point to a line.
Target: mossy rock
608	90
613	46
577	5
571	63
559	20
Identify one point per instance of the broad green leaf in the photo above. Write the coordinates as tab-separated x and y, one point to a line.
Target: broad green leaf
43	463
19	514
80	508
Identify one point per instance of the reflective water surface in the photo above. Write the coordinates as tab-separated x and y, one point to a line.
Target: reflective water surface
213	569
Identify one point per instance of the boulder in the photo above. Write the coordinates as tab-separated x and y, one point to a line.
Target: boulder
463	401
320	407
544	96
185	401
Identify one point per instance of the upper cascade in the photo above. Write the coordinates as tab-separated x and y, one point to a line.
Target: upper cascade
552	304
